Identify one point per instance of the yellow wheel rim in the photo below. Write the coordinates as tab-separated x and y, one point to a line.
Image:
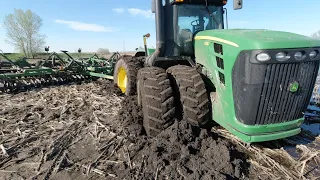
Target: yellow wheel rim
122	79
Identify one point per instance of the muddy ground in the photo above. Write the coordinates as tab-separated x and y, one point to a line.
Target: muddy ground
90	131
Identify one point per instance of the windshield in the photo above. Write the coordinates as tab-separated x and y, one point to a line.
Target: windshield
195	18
199	17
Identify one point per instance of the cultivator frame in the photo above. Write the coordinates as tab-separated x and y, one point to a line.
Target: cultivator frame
101	67
53	70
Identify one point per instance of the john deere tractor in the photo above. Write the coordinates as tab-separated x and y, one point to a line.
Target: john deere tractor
255	83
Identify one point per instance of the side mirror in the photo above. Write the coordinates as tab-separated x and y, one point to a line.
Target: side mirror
137	49
237	4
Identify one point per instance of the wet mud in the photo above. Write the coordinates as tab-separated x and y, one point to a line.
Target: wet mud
92	131
179	152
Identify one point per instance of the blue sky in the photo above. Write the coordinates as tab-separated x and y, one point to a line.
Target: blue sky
120	24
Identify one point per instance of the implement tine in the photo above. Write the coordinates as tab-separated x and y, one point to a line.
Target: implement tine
9	86
25	83
16	85
42	81
13	85
21	86
2	86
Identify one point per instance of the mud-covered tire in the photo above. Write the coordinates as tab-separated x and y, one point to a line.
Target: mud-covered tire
156	98
190	93
131	65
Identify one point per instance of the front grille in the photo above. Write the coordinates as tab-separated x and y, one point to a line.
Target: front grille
261	91
277	104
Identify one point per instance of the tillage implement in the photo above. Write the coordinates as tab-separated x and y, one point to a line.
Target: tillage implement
20	75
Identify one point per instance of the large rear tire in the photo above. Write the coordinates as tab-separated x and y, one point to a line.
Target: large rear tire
155	95
125	74
192	100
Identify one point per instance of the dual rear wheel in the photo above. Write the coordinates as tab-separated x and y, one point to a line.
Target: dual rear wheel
178	92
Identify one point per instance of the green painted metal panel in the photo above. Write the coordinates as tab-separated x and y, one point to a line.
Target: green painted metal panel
28	72
233	42
261	39
100	75
151	51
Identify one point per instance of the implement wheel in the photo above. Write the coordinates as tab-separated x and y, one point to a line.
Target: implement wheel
192	101
125	74
155	95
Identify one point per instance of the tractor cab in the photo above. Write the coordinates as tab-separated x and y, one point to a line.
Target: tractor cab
193	18
178	22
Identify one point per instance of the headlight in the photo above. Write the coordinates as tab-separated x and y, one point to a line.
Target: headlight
313	54
282	56
263	57
299	56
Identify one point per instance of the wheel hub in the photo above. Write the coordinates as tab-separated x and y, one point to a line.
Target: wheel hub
122	79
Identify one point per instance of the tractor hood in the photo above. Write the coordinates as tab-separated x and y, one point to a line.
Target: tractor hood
258	39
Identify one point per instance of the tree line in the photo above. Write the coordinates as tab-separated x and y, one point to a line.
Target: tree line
23	32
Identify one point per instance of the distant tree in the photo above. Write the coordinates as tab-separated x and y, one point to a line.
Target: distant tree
316	34
103	51
23	31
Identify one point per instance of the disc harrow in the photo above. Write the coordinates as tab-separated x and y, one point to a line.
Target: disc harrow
25	83
17	76
49	72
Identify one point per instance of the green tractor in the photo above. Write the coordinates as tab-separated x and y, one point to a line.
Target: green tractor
255	83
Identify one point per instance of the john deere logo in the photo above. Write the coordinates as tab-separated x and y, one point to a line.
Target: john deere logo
293	87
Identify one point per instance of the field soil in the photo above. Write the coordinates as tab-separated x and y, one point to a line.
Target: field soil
91	131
